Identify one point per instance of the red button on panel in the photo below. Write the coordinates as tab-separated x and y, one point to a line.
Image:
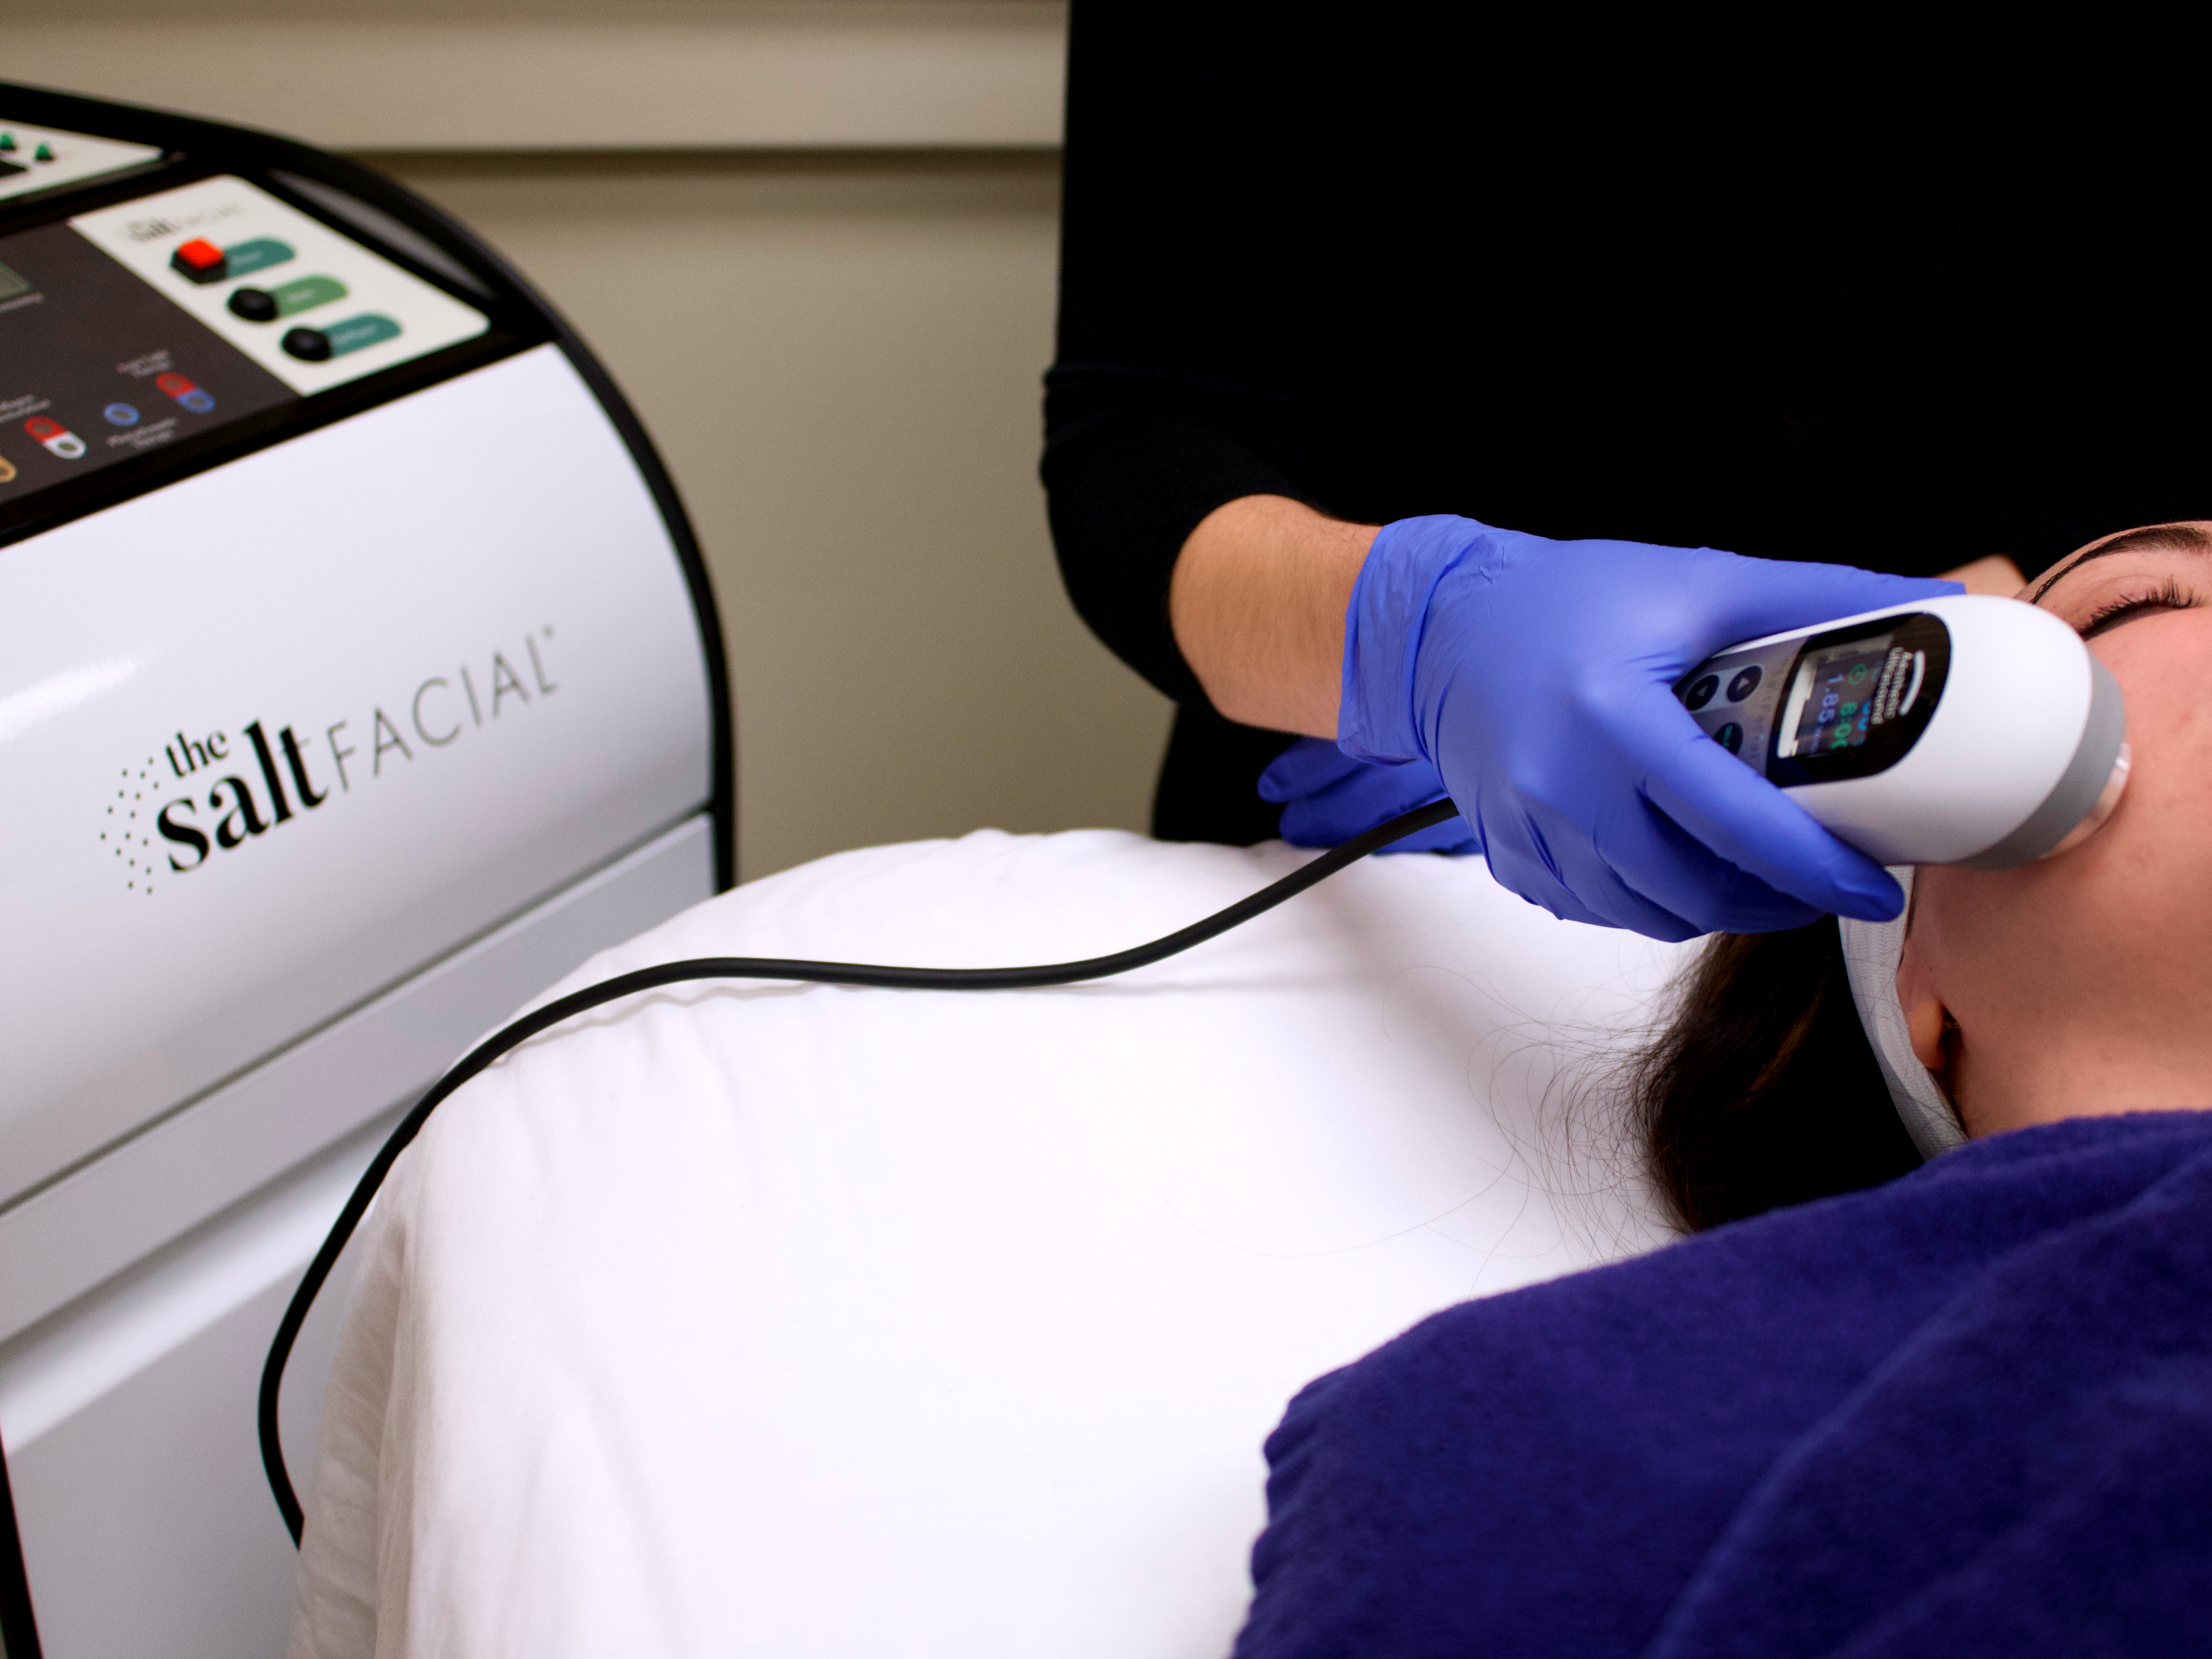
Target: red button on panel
199	260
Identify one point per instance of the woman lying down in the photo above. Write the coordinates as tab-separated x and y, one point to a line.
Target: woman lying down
1965	1410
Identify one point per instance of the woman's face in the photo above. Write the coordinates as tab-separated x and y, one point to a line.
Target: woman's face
2082	984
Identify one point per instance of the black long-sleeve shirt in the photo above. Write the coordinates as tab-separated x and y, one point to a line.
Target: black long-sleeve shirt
1840	289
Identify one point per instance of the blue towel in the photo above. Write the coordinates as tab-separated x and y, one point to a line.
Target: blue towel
1968	1412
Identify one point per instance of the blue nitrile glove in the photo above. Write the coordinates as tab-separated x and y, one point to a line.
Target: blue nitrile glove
1536	677
1327	797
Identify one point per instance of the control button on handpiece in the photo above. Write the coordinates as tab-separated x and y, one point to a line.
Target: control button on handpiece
1730	738
200	261
309	345
1702	693
255	304
1744	684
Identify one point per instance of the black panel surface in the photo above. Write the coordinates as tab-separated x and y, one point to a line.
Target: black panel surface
95	350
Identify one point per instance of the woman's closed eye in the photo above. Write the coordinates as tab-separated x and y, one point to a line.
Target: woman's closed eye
2168	596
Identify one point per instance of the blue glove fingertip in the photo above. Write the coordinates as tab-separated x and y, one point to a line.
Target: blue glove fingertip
1863	905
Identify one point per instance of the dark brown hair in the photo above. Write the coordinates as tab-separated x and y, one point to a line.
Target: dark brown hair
1764	1092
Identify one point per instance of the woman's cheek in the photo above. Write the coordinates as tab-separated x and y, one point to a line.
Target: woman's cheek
2141	887
2164	665
2092	932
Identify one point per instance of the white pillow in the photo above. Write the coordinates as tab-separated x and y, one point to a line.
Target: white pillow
791	1320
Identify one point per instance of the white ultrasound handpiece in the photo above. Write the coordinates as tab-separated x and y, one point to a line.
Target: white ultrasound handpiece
1965	729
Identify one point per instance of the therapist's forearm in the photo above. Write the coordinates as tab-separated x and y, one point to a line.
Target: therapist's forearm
1257	605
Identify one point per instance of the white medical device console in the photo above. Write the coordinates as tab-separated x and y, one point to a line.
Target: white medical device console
358	677
1965	729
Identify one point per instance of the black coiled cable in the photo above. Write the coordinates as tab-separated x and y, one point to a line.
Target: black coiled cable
817	973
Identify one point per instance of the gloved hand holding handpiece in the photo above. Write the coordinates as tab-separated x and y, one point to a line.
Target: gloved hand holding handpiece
1532	681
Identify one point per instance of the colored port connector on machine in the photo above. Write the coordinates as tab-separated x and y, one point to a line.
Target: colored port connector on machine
317	346
261	305
186	393
58	439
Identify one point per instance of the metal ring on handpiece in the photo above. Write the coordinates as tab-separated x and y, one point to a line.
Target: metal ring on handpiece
2106	800
2080	801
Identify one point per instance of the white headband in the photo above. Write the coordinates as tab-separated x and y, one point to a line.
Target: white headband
1871	950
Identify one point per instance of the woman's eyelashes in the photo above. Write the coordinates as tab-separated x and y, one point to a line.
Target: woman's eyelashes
2167	596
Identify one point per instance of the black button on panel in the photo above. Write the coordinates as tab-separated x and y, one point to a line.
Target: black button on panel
256	305
309	345
1744	684
1730	738
1702	693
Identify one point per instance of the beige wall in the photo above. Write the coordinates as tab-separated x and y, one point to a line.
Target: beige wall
832	318
839	358
569	75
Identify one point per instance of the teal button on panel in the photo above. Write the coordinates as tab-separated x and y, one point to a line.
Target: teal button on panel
256	255
305	293
366	330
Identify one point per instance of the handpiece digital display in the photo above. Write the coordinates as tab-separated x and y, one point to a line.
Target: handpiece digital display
1843	693
1839	704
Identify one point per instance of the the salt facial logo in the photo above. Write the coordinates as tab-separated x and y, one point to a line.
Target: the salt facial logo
296	777
154	229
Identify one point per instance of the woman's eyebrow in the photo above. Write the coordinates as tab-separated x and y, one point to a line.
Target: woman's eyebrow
2154	538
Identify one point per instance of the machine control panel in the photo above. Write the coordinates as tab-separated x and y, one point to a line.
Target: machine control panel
97	367
34	159
314	308
127	329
